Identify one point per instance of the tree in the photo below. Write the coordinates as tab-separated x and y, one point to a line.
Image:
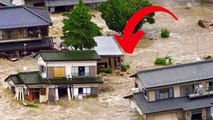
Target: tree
117	12
78	29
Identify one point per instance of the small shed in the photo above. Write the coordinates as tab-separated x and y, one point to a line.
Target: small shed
108	49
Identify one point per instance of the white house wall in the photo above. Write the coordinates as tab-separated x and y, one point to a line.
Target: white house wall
42	63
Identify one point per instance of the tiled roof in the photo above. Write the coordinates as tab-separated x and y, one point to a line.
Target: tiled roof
69	55
30	45
34	78
176	74
13	78
23	16
171	104
52	3
107	46
6	2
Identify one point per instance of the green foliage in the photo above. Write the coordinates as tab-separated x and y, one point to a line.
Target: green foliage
105	70
117	12
165	33
207	57
32	105
163	61
78	29
125	67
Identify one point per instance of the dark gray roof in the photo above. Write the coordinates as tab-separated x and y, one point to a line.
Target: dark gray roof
107	46
171	104
53	3
22	16
45	43
6	2
176	74
69	55
34	78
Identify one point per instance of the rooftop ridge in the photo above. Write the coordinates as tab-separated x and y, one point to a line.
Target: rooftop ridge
10	7
26	72
27	8
173	66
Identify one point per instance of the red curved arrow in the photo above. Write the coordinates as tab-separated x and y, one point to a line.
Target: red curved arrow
129	41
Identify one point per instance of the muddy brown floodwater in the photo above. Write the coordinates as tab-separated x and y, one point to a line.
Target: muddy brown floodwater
110	105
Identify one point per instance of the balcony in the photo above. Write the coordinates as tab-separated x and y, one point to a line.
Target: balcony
200	92
17	38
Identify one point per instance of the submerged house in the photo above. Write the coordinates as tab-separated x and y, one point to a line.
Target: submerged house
54	5
111	54
24	29
180	92
69	74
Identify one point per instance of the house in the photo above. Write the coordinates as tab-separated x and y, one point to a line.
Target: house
57	5
62	74
107	48
5	3
180	92
24	29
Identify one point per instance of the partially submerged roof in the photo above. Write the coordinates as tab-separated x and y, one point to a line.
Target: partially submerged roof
54	3
69	55
171	104
23	16
45	43
176	74
107	46
34	78
27	78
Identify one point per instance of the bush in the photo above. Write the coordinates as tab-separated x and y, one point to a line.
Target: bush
207	57
163	61
125	67
165	33
105	70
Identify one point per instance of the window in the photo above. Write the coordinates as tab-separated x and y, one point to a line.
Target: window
144	92
164	93
42	68
136	85
1	35
81	71
183	90
87	91
209	85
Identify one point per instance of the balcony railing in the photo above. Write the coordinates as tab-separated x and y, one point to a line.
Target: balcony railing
200	92
16	38
82	74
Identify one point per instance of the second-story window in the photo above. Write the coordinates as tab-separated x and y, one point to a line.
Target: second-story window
1	35
164	93
81	71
